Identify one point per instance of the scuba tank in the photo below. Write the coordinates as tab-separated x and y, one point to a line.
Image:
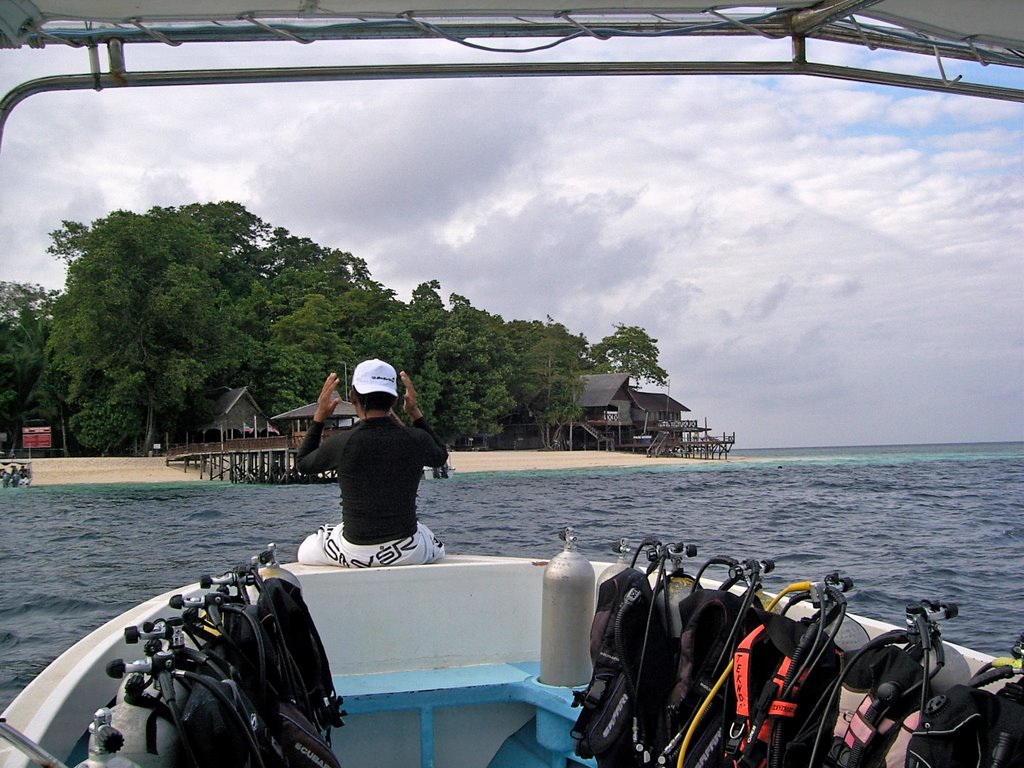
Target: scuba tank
678	585
148	737
623	550
270	568
567	612
104	742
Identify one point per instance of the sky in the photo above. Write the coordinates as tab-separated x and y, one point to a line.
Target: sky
821	262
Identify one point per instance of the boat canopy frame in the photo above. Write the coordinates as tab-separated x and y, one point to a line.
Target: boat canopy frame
989	32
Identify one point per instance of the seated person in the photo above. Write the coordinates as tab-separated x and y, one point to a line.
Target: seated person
379	463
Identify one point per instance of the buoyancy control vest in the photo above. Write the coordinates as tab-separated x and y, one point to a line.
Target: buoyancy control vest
619	724
275	656
283	611
969	727
709	618
781	670
880	688
252	690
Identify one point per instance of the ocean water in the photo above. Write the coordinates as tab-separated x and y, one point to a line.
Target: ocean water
906	523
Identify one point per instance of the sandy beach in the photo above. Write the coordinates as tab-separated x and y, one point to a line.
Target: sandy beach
59	471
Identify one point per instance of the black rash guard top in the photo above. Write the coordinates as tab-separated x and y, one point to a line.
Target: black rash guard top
379	462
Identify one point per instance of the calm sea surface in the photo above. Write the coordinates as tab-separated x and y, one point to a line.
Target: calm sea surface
940	522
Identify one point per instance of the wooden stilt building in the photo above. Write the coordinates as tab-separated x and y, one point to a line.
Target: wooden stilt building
618	417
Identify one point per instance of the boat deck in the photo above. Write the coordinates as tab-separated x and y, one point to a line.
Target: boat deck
489	691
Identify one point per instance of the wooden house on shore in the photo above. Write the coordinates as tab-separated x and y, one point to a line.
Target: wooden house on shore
617	416
235	416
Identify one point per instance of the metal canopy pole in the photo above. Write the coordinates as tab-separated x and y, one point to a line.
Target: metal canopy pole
119	78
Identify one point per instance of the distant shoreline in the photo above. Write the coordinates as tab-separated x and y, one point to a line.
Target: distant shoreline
94	470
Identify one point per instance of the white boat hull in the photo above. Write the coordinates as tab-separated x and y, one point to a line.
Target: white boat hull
439	658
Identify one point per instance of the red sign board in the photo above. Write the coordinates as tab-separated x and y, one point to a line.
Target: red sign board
35	437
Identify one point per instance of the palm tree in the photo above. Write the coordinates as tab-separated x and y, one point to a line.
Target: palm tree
24	329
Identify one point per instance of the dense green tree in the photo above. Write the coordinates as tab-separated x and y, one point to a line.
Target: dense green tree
427	315
629	350
312	328
303	347
54	393
366	305
473	360
242	239
547	380
139	330
303	319
16	299
425	318
163	308
290	377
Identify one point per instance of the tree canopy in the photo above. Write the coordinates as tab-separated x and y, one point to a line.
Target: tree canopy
629	350
163	309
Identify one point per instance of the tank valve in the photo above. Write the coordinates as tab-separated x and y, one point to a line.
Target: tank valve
104	742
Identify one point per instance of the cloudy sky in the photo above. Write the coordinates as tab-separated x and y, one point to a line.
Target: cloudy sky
822	263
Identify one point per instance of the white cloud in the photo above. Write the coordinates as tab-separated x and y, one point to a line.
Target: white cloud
821	263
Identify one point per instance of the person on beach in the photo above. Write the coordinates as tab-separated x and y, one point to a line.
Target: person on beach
380	463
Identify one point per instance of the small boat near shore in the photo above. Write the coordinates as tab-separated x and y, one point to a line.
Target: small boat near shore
16	473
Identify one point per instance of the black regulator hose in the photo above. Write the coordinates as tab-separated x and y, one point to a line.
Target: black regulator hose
620	646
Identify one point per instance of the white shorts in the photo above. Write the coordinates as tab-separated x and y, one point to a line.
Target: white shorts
329	547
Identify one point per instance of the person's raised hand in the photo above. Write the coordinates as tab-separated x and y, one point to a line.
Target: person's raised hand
409	401
328	398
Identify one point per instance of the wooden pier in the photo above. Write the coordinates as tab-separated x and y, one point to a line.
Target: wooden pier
271	460
685	439
691	447
264	460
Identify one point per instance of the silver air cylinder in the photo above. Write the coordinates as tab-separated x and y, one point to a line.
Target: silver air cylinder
567	613
142	747
623	550
104	742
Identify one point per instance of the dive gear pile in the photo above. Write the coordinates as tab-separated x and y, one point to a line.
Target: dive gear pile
693	672
239	679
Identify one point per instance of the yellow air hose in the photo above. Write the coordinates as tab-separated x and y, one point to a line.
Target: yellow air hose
799	586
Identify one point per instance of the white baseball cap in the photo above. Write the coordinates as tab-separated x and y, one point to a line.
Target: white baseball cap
374	376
